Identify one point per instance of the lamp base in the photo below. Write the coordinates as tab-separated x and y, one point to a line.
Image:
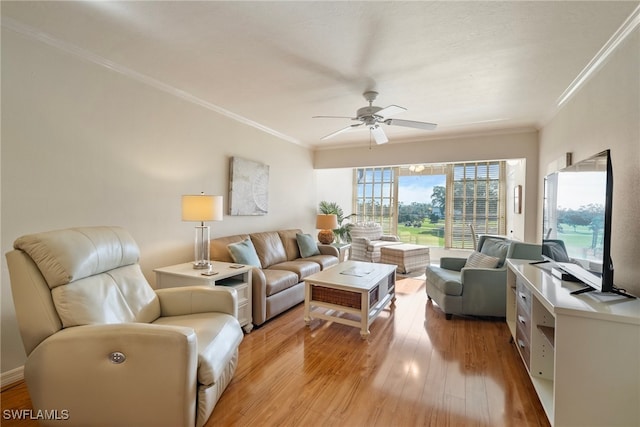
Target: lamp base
201	265
325	237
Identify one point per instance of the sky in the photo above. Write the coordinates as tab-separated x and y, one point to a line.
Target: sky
418	188
580	189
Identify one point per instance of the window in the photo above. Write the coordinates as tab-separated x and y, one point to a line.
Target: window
475	195
375	199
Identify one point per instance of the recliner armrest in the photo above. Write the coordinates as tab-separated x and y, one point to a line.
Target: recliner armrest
197	299
159	370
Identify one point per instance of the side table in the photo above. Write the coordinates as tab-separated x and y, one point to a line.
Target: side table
226	274
343	249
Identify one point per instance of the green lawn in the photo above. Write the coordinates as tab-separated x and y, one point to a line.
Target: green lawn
578	241
429	234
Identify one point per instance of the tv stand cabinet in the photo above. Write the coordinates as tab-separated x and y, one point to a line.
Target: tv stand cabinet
582	352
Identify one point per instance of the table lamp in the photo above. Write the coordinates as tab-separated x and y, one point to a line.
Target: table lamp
326	223
202	208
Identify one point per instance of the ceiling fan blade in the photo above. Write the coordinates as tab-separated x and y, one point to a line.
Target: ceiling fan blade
391	110
348	128
333	117
378	135
411	124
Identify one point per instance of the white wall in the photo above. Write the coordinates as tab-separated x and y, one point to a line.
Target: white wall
605	113
516	175
83	145
336	185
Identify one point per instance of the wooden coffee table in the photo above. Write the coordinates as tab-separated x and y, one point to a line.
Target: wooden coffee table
356	287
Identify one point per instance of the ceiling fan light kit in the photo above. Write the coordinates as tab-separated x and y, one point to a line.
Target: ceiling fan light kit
372	117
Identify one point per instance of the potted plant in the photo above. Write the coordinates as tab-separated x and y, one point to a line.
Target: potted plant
343	232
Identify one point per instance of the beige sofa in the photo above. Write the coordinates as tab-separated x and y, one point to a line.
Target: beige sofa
278	281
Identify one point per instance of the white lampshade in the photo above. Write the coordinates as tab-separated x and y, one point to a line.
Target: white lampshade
202	208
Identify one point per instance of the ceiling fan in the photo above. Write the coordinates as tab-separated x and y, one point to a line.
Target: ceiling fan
372	117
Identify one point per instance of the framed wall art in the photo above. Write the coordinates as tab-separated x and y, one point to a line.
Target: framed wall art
248	187
517	199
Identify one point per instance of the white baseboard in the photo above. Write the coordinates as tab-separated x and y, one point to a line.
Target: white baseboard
12	376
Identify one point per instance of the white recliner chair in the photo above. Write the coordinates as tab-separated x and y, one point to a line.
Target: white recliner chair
105	347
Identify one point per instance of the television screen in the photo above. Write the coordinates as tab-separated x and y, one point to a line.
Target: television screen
577	220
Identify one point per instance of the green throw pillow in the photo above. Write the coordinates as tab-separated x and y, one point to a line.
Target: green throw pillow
244	253
307	245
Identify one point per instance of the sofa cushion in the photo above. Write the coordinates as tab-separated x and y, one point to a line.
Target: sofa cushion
446	281
302	267
325	261
307	245
244	253
269	248
218	338
290	243
279	280
496	248
480	260
219	249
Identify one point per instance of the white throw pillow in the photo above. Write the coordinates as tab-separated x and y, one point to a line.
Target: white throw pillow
478	260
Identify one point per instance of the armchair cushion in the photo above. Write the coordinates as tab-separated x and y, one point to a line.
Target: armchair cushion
83	252
307	245
244	253
122	295
480	260
446	281
197	299
218	336
495	247
94	275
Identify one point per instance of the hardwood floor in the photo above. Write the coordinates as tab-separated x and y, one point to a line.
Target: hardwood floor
416	369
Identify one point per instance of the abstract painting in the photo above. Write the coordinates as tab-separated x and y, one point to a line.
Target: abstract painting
248	187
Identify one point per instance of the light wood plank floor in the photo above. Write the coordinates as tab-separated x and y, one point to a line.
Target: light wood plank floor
416	369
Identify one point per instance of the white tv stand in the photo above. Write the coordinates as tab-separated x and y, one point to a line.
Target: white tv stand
582	352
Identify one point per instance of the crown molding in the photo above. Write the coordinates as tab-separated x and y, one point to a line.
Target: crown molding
89	56
627	27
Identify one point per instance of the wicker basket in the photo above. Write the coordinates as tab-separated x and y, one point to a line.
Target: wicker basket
341	297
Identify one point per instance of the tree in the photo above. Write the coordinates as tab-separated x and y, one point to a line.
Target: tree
438	198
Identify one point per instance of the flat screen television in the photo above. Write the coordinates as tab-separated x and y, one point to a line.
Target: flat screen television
577	209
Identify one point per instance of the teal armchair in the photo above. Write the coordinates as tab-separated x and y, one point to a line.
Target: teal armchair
458	287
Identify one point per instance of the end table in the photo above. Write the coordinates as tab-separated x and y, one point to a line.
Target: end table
235	276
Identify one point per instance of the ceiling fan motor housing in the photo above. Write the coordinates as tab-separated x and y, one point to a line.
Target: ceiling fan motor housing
367	112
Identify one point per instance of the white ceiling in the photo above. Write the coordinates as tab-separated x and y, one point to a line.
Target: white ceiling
468	66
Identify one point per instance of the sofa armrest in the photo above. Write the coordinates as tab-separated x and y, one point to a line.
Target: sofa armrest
197	299
159	369
389	238
451	263
329	250
259	296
